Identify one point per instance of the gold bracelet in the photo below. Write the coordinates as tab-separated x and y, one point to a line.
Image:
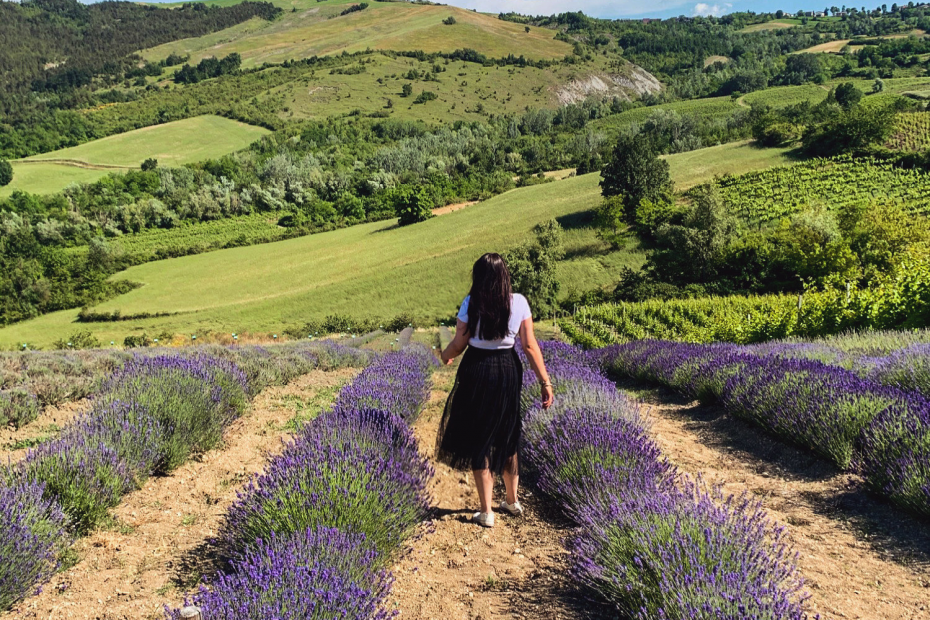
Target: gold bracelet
546	384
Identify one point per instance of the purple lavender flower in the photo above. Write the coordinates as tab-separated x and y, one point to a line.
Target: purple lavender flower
687	553
356	468
585	455
894	455
313	574
30	539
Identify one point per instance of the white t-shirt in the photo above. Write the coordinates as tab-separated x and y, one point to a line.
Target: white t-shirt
519	312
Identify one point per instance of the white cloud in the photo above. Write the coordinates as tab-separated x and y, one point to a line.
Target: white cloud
715	10
595	8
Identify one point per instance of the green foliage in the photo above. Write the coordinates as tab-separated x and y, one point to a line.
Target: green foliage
533	267
354	8
411	204
693	251
855	129
610	219
635	173
6	173
847	95
406	90
149	164
897	300
208	68
426	95
96	40
83	339
449	21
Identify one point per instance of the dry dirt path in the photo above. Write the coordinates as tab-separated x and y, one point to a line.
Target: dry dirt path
15	443
459	571
157	546
861	558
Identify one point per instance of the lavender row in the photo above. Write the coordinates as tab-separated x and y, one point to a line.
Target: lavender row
652	542
149	417
863	421
32	380
312	537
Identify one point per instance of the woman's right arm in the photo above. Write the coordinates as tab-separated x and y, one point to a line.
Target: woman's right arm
534	354
458	344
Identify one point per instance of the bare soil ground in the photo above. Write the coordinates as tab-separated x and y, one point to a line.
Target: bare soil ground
157	546
15	443
861	557
454	207
459	571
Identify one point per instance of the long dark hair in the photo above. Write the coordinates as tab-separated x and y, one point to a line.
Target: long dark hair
490	298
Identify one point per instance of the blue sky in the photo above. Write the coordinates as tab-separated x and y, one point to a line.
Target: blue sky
637	8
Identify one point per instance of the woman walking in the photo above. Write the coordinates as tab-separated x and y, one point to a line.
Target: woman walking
481	426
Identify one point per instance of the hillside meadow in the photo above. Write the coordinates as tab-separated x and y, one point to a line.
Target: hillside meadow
310	28
172	144
375	269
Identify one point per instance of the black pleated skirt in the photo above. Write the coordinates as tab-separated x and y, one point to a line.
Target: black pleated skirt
481	425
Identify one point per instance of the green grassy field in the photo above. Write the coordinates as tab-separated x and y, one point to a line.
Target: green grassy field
172	144
702	165
45	178
373	269
310	28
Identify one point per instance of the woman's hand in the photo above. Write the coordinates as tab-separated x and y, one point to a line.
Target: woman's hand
548	396
445	360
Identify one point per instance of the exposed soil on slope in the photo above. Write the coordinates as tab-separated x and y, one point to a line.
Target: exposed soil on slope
861	557
15	443
460	571
157	547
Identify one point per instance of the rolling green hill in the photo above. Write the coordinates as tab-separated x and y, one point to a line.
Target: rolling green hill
310	28
372	269
172	144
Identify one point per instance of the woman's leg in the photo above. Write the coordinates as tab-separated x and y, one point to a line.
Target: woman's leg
511	479
484	482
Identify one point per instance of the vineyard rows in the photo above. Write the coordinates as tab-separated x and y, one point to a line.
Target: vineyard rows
911	132
771	194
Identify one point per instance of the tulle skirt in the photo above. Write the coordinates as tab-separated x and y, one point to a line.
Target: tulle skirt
481	425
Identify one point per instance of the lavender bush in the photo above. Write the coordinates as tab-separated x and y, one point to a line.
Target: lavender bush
908	368
894	455
82	473
820	407
356	468
588	455
313	574
192	399
154	410
18	407
398	382
358	473
874	415
30	539
687	553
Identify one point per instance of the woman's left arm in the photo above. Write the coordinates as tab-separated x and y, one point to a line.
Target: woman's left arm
458	344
